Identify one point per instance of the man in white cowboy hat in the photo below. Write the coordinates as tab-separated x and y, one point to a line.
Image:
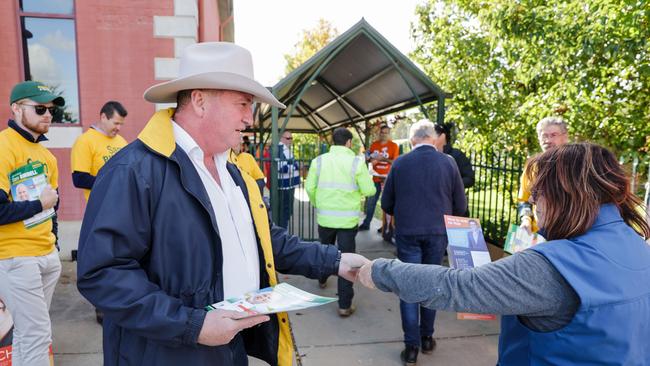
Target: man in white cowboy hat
174	227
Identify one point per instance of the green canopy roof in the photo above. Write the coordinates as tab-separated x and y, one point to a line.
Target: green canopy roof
356	77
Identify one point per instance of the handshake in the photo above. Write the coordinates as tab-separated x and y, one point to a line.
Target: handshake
356	268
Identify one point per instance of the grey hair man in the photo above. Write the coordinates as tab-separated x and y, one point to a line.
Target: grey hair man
551	132
422	187
422	131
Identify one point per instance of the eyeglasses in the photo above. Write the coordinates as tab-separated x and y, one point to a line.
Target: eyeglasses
550	136
287	138
40	109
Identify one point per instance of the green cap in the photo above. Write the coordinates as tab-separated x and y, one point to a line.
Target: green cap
35	91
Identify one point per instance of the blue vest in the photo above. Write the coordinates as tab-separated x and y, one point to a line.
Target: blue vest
609	268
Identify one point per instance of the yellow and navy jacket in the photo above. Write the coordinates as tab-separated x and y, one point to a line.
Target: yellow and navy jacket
150	258
17	149
247	164
89	154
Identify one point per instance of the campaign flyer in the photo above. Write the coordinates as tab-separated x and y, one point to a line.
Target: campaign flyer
27	183
519	239
279	298
467	249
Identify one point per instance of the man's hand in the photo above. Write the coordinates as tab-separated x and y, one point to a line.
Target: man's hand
48	197
221	326
365	275
350	265
527	224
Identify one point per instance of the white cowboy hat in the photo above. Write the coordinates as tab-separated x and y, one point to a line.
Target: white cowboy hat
213	65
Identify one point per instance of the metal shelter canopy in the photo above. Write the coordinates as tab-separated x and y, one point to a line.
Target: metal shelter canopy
356	77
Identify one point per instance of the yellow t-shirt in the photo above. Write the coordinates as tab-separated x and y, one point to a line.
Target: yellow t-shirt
15	239
92	150
246	163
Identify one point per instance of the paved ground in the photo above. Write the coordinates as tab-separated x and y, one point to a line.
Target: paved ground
372	336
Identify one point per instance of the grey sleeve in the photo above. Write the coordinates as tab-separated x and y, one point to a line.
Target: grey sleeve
523	284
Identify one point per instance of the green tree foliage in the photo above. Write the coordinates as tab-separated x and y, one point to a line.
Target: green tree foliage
311	41
307	145
511	63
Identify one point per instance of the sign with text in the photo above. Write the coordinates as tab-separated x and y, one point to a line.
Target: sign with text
467	249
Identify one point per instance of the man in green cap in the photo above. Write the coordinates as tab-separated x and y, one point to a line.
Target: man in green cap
29	263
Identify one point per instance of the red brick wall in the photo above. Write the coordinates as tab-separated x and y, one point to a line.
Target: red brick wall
72	202
10	68
115	53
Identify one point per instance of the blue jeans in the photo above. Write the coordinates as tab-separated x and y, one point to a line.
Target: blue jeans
417	321
286	207
371	203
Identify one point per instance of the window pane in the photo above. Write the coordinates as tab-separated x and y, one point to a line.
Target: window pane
52	60
48	6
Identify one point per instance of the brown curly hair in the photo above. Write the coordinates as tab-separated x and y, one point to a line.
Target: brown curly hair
575	179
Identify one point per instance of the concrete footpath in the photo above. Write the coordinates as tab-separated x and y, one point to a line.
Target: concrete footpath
372	336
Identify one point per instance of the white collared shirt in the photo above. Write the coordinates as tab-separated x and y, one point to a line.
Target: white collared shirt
241	266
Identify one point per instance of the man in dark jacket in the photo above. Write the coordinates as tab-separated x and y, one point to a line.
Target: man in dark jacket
443	144
171	227
422	187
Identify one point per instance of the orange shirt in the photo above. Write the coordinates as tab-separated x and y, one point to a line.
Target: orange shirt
387	149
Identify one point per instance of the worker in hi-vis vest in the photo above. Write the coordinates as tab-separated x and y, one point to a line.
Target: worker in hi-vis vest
336	182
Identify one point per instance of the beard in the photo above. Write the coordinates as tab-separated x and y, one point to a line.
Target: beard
39	127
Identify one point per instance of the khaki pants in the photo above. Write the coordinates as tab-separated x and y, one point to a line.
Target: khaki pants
26	286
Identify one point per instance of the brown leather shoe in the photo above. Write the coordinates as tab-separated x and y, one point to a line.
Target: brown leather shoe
428	345
344	313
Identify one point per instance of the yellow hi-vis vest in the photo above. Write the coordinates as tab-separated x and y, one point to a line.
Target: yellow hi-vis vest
335	185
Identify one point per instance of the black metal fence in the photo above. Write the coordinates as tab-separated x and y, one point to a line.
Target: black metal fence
303	220
493	198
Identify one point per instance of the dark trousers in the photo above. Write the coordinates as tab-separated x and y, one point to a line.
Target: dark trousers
286	206
346	244
417	321
371	203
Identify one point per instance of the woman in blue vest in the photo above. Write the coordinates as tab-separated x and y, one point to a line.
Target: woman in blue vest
583	297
